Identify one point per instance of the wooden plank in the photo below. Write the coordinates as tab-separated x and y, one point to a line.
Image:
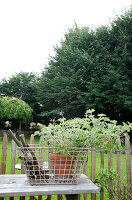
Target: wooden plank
22	167
59	197
31	197
22	172
102	167
48	197
13	156
110	186
93	162
128	168
72	197
119	179
13	159
22	198
3	155
41	151
17	185
85	171
32	140
31	145
40	197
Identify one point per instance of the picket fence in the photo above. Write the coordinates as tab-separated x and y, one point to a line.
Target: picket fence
94	152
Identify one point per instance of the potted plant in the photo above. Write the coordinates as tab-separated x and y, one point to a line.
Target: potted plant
80	133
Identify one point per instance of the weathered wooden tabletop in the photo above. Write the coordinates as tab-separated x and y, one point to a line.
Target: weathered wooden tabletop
17	185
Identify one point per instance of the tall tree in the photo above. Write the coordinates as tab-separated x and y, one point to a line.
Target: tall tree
91	69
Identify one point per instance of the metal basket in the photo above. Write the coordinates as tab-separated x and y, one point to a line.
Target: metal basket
43	165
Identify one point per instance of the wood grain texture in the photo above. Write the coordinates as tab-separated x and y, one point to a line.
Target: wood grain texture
13	159
31	145
93	162
59	197
119	179
22	167
128	168
3	155
110	186
102	167
72	197
17	185
13	156
85	171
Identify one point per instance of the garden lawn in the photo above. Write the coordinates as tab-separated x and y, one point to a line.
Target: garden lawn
123	165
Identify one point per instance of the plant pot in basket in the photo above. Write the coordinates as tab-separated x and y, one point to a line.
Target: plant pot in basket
61	165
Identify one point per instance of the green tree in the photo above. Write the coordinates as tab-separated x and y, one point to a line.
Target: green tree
90	69
12	108
23	86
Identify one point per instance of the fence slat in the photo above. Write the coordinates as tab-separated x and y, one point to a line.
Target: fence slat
85	171
93	161
110	186
40	197
59	197
119	180
32	140
72	197
102	167
48	197
22	169
31	144
13	156
128	168
13	159
3	155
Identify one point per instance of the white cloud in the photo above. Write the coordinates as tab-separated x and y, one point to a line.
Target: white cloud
30	28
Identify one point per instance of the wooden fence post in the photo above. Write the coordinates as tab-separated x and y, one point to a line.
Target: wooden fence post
93	161
128	169
110	186
22	167
3	157
22	170
41	161
13	159
102	167
31	145
85	171
119	180
13	156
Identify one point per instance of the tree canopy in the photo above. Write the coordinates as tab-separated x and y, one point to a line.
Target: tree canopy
90	69
23	86
14	109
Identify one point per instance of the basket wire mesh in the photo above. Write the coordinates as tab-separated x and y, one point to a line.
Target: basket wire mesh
43	165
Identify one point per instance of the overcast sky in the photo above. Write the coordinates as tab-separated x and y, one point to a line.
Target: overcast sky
30	28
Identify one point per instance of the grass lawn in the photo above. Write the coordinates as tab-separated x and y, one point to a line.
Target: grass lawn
123	165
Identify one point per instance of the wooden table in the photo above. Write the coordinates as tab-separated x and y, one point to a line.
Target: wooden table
17	185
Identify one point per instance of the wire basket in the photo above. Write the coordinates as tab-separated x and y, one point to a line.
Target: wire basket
43	165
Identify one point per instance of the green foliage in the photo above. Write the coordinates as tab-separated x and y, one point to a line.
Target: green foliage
91	69
106	177
14	108
88	132
23	86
